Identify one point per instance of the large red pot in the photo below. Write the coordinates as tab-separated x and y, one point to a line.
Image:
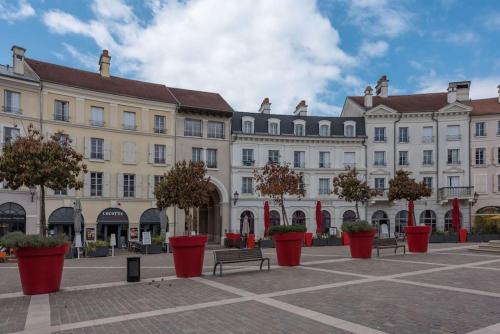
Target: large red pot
251	241
189	252
308	239
418	238
345	239
462	235
361	243
288	248
41	268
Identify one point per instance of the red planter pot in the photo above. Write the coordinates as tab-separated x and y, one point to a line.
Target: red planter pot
462	235
308	239
41	268
361	243
345	239
251	241
418	238
288	248
189	252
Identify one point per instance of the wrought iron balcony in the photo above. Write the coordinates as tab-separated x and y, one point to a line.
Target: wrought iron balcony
324	165
427	139
449	193
160	130
381	194
94	122
379	139
131	127
454	137
248	162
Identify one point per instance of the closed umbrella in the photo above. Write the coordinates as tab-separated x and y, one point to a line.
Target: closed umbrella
266	218
77	216
411	208
318	217
163	221
455	214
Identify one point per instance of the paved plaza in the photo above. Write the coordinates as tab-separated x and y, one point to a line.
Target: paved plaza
448	290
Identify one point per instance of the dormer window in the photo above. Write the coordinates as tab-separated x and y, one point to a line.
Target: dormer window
350	129
299	127
324	128
247	124
273	126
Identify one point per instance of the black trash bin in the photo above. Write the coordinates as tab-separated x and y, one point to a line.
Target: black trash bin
133	269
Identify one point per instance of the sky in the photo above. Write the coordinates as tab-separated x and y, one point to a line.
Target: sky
287	50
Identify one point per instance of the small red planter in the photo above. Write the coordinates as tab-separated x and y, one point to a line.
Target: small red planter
251	241
308	239
462	235
41	268
189	252
345	239
288	248
361	243
418	238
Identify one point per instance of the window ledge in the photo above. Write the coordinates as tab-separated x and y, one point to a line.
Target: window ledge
97	160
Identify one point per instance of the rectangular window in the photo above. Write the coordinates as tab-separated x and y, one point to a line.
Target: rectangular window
480	129
158	179
97	117
403	158
428	134
197	154
427	158
160	124
498	128
379	183
480	156
95	184
324	186
160	154
498	155
247	127
12	102
247	157
453	181
299	130
215	130
349	159
454	156
324	130
97	148
403	135
427	181
211	158
128	185
379	158
453	132
273	128
274	156
61	111
247	185
324	159
299	160
129	120
10	134
498	183
192	127
380	135
60	192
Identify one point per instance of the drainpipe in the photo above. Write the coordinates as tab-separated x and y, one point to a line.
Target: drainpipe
437	155
470	176
399	119
365	145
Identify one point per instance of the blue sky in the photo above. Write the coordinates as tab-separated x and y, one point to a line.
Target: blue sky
286	50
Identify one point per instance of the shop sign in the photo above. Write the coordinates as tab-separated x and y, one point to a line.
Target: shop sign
90	234
112	215
146	238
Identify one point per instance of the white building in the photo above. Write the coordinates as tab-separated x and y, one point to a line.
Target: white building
426	134
320	147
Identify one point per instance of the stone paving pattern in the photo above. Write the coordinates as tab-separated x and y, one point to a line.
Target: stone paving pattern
13	314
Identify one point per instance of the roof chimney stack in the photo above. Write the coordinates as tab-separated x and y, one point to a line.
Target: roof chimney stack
104	63
301	109
18	59
452	94
265	106
382	87
462	89
368	97
498	93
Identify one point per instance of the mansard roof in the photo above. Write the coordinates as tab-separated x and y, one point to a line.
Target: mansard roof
427	102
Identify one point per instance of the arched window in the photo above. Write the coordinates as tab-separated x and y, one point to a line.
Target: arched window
428	217
248	215
324	130
248	127
380	218
274	218
299	218
401	221
12	218
349	216
326	221
447	220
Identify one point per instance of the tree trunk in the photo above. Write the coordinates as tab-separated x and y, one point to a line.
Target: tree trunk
188	220
283	211
357	211
43	225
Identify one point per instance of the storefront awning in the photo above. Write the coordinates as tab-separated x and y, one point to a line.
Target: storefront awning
62	216
112	216
150	216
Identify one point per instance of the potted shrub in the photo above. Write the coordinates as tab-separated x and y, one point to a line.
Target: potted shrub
276	181
187	187
40	260
97	248
156	245
485	230
361	235
403	187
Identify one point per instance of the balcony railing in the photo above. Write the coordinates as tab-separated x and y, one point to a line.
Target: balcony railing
61	117
404	140
448	193
248	162
160	130
160	161
380	163
12	110
427	139
324	165
454	162
454	137
428	163
131	127
379	139
94	122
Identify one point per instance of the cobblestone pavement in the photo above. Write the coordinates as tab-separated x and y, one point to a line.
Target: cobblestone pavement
448	290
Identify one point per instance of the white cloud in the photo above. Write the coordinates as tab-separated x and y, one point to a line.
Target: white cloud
481	87
374	49
15	12
492	21
246	49
458	38
86	59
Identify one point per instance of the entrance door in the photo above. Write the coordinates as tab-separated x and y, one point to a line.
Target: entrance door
210	219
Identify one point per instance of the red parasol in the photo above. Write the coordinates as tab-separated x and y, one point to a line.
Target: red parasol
319	218
411	208
266	218
455	214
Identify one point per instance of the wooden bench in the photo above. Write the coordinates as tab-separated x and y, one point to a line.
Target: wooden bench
387	243
239	255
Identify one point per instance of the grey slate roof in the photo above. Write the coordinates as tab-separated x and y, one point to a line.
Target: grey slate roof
8	71
286	124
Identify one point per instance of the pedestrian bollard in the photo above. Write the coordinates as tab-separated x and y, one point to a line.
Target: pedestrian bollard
133	269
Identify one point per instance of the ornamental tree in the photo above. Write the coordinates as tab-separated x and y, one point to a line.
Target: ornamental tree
33	160
349	187
278	180
184	186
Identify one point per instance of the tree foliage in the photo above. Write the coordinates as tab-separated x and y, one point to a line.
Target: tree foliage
349	187
404	187
276	180
33	160
185	186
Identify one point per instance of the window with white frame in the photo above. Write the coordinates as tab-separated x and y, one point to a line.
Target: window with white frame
160	124
427	160
379	158
428	134
498	128
379	134
160	153
215	130
10	134
299	159
324	186
97	148
157	180
453	156
128	185
129	120
95	184
480	156
97	116
428	181
324	130
350	129
498	155
299	129
274	128
403	158
379	183
349	159
60	192
453	181
12	102
61	110
480	129
192	127
453	132
247	126
324	159
247	157
211	158
196	154
274	156
404	135
498	183
247	185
